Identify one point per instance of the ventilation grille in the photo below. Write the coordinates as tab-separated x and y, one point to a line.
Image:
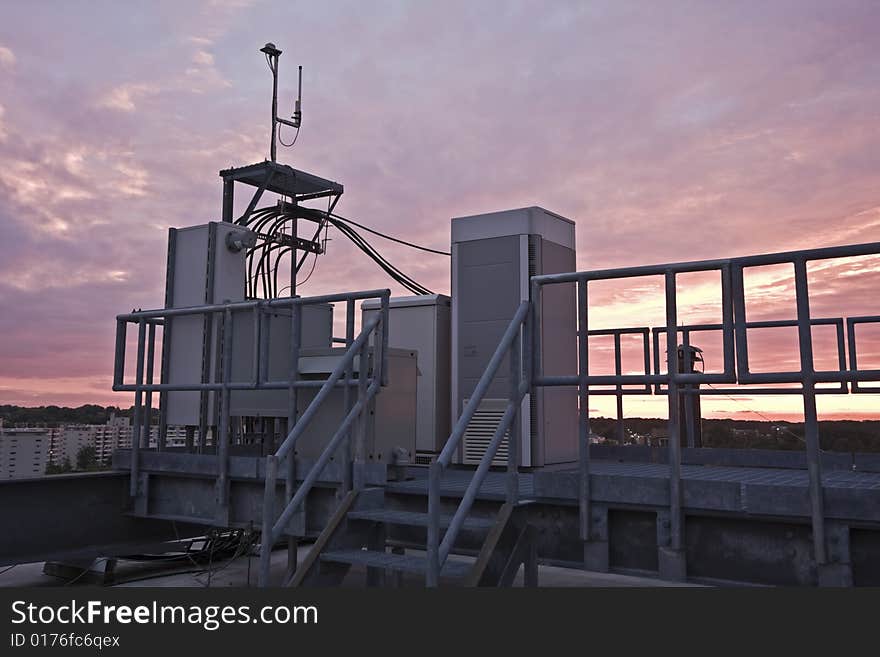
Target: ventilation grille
533	415
480	431
424	458
533	256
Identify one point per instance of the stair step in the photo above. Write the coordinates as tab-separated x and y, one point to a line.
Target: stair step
416	519
398	562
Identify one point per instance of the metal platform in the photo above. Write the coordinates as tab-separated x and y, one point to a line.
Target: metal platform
283	179
764	491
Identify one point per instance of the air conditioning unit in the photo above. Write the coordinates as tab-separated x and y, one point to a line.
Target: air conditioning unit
493	257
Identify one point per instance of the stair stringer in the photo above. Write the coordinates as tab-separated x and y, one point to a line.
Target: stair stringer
338	534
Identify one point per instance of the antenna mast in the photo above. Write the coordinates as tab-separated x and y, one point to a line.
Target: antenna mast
273	54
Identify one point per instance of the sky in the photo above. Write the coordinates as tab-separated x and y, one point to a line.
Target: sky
668	131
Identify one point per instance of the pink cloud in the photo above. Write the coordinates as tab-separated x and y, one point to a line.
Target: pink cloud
730	130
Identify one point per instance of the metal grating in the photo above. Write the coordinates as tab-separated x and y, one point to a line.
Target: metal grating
479	433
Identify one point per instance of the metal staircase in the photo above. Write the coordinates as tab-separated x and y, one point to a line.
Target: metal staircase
367	521
389	542
370	521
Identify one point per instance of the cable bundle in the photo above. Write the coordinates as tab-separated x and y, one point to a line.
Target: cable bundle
264	258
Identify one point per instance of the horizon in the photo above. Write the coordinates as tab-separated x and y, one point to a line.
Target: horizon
731	131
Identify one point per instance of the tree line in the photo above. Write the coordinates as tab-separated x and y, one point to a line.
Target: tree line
55	416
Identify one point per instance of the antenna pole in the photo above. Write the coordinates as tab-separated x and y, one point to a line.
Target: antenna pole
297	110
274	105
273	54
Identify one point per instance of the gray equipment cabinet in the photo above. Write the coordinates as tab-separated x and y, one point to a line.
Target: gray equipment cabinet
422	324
391	425
202	269
493	257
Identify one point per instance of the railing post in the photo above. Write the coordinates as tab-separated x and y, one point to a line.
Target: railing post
514	435
136	421
740	332
223	432
119	360
727	322
618	370
583	415
384	336
292	401
347	458
432	573
257	355
687	366
811	427
268	519
672	564
148	406
535	318
360	447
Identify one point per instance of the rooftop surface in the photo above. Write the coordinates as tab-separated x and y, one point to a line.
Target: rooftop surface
243	572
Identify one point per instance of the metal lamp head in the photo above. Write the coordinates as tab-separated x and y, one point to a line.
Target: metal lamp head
270	50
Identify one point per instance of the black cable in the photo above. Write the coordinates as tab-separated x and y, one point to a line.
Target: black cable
266	272
404	280
311	271
290	145
389	237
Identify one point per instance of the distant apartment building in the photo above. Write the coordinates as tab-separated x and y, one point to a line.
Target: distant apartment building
27	452
24	452
65	442
116	434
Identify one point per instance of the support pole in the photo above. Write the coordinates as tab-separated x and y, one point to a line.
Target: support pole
223	432
583	415
618	370
293	375
514	435
811	425
672	564
347	459
136	424
267	539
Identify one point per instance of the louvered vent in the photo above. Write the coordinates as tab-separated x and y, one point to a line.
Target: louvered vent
533	416
533	256
480	431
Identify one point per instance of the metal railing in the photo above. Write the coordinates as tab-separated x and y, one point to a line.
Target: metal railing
366	389
341	376
516	343
734	328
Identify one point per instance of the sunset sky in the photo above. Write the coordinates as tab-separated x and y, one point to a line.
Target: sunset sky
668	131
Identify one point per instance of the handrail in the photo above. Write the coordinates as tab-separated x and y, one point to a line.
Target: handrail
325	390
438	551
680	381
321	463
273	528
340	377
445	457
